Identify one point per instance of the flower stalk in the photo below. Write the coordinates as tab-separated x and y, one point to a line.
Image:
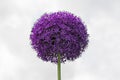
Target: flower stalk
59	67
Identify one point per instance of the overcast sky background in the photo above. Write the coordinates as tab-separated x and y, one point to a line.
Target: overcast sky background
100	61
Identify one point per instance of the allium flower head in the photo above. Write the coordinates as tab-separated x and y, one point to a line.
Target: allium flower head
59	33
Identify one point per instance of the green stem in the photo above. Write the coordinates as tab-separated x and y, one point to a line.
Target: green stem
59	68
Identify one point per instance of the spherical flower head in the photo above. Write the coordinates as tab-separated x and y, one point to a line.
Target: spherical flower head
59	33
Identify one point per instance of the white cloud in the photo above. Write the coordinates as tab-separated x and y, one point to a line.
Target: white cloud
9	63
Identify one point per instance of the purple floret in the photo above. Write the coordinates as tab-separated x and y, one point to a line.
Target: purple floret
59	32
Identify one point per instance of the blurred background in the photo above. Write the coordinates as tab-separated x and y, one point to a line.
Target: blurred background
100	61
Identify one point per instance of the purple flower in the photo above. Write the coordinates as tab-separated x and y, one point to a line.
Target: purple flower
59	32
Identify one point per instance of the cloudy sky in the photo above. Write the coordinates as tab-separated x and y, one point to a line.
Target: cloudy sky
100	61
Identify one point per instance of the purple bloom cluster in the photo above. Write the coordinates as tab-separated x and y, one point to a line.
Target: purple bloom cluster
59	33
